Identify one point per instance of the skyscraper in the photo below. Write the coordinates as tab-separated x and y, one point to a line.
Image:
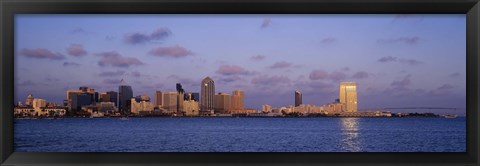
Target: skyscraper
348	96
170	101
222	103
298	98
180	97
207	94
113	97
125	93
238	100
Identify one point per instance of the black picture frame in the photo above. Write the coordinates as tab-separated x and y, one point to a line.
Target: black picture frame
9	8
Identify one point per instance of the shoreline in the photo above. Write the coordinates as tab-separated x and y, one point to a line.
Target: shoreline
140	117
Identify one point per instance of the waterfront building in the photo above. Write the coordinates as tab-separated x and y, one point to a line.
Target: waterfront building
207	95
170	101
191	108
266	108
141	106
113	97
298	98
143	97
29	100
237	101
125	93
222	103
158	98
348	96
106	107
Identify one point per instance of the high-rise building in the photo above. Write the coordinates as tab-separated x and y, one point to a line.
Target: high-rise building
113	97
238	101
207	95
348	96
298	98
80	99
158	98
170	101
180	97
222	103
125	93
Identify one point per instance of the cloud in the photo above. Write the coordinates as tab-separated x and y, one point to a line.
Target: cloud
269	80
185	81
140	38
402	83
453	75
387	59
318	75
406	40
173	51
337	76
360	75
328	40
112	58
70	64
112	73
82	31
266	22
279	65
258	57
411	62
230	79
441	91
232	70
76	50
41	53
345	69
322	75
111	81
445	87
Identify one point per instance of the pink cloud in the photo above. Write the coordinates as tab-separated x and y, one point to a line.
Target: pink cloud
173	51
112	58
41	53
76	50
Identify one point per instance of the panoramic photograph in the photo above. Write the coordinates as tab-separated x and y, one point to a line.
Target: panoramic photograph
240	83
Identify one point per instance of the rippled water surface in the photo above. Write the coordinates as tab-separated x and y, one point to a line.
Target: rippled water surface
241	135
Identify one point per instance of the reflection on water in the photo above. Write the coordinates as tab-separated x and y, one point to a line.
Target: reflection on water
350	135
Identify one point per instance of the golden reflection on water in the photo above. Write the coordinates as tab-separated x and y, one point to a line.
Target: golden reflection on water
350	135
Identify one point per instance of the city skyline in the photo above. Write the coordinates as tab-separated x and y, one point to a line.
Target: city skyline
396	60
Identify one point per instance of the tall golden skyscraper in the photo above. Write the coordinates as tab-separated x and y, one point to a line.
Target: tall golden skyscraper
238	100
348	96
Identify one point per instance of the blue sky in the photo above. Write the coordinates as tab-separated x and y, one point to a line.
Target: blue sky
396	60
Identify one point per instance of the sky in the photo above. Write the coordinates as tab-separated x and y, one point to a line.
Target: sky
396	60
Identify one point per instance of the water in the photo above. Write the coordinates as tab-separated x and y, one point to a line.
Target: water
241	135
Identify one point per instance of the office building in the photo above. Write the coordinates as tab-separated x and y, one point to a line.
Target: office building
180	97
222	103
170	101
125	94
348	96
207	95
298	98
158	98
237	101
113	97
141	106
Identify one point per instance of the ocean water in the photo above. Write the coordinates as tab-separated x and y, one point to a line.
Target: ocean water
240	135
